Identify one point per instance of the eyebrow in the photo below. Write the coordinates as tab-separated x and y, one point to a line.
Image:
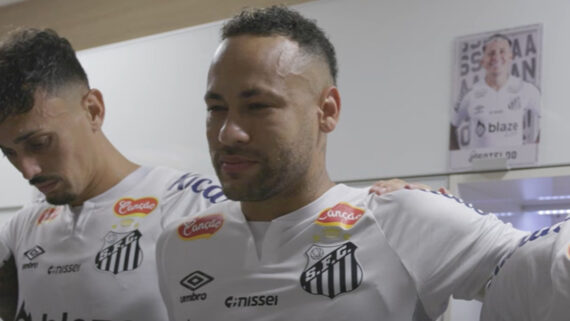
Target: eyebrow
244	94
25	136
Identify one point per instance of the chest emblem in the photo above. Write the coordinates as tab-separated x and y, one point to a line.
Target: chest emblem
331	270
120	252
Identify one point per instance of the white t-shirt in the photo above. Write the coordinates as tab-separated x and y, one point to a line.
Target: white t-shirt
99	263
346	256
507	117
533	283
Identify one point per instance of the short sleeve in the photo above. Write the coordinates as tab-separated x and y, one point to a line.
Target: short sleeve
448	247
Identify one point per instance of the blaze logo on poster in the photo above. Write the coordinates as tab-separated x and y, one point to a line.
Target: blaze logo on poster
331	270
121	252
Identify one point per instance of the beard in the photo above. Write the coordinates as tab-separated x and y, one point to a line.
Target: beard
55	198
277	174
61	199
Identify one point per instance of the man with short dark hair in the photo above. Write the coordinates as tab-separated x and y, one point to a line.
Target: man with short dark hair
297	246
501	110
87	251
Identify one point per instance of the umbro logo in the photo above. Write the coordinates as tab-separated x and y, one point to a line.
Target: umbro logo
34	252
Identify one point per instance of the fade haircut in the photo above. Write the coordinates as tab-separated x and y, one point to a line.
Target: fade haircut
282	21
33	59
497	36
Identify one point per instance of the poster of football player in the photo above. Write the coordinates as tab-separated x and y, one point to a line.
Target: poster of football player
496	99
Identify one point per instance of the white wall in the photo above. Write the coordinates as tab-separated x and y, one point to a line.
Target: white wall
395	62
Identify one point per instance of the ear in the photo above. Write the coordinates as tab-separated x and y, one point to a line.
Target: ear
95	108
329	109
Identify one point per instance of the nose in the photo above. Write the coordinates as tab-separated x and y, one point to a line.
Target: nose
28	166
232	132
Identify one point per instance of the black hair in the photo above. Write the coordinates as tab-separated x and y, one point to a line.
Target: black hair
33	59
280	20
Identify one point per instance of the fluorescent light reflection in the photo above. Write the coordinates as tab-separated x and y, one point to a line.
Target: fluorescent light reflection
554	212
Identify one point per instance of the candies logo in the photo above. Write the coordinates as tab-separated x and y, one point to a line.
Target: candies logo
342	215
200	227
140	207
48	215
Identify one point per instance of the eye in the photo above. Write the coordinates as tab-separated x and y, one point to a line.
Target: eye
257	106
39	143
214	108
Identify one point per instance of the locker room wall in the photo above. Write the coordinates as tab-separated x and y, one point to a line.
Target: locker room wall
395	62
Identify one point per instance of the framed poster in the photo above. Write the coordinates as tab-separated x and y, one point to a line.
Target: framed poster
496	99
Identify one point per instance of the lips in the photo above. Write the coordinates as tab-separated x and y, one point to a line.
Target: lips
46	186
235	163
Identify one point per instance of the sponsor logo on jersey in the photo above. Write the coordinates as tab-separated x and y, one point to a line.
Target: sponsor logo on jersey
479	109
480	129
193	282
48	214
120	252
23	315
64	269
251	301
200	185
342	215
34	252
200	227
331	270
135	207
515	103
31	254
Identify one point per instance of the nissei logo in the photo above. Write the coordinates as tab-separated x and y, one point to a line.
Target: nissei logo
64	269
200	227
251	301
139	207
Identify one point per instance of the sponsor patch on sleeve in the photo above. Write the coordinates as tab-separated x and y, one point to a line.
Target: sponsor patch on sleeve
342	215
135	207
200	227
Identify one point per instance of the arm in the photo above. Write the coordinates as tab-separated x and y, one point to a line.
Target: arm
8	289
387	186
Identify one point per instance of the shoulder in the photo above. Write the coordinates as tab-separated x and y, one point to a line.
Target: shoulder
191	185
518	85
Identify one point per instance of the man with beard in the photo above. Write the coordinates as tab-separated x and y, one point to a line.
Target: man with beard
293	245
88	251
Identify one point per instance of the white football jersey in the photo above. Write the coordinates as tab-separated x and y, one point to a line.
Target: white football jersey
98	262
533	283
346	256
507	117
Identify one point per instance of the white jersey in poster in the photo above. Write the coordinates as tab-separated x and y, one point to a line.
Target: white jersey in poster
533	284
346	256
507	117
97	262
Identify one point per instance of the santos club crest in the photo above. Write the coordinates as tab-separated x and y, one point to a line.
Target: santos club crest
331	270
121	252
